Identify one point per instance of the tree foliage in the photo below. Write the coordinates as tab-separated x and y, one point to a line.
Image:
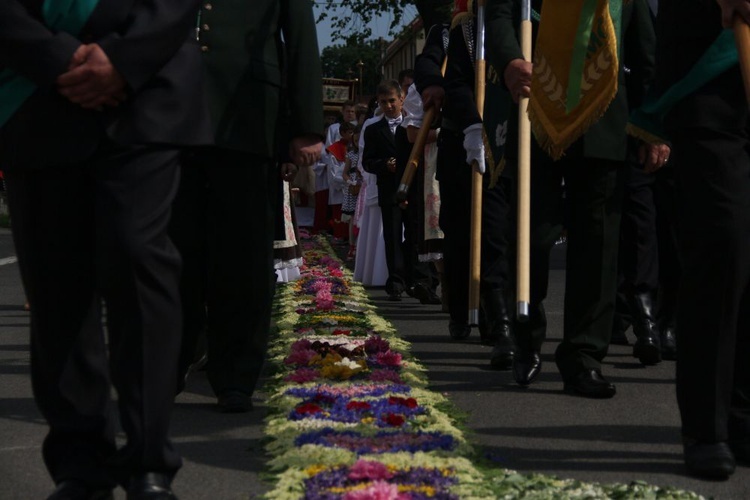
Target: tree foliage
350	18
340	61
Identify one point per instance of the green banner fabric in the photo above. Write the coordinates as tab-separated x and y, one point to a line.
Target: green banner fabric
497	108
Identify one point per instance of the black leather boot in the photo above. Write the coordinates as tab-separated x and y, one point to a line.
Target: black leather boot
668	342
501	357
647	346
666	319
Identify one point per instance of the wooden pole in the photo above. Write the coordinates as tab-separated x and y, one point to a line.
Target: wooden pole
417	150
475	247
523	296
416	154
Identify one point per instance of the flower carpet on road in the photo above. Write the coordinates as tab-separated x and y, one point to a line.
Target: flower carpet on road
351	416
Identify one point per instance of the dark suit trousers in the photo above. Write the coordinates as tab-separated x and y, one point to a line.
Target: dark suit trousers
666	235
639	257
712	153
223	225
593	189
455	216
393	238
84	233
638	260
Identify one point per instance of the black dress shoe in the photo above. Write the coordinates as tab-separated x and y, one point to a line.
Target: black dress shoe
234	402
646	347
150	486
590	384
75	489
458	330
526	367
647	350
498	317
503	353
394	296
708	460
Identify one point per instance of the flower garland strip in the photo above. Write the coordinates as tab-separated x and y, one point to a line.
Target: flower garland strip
350	415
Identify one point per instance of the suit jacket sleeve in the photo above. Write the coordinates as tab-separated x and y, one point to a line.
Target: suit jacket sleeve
639	52
372	160
460	105
428	64
502	35
29	48
304	74
152	34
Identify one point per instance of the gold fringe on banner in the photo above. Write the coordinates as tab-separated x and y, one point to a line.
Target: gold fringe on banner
560	113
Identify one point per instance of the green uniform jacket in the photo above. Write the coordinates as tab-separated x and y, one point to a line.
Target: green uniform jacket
605	139
261	91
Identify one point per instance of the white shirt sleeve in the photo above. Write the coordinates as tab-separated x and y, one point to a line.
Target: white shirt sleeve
414	114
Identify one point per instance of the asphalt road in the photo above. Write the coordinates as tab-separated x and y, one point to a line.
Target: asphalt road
634	436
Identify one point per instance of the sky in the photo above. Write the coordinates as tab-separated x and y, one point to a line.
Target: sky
379	26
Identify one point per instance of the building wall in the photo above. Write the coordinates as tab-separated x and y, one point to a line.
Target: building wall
401	55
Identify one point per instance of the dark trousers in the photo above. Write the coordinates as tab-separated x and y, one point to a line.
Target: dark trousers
223	225
593	189
712	151
84	233
455	217
647	262
393	239
666	235
639	255
401	247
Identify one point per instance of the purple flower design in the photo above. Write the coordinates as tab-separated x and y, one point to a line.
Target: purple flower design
329	483
385	412
382	442
351	391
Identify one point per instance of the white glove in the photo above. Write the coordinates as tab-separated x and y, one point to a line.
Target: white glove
474	146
